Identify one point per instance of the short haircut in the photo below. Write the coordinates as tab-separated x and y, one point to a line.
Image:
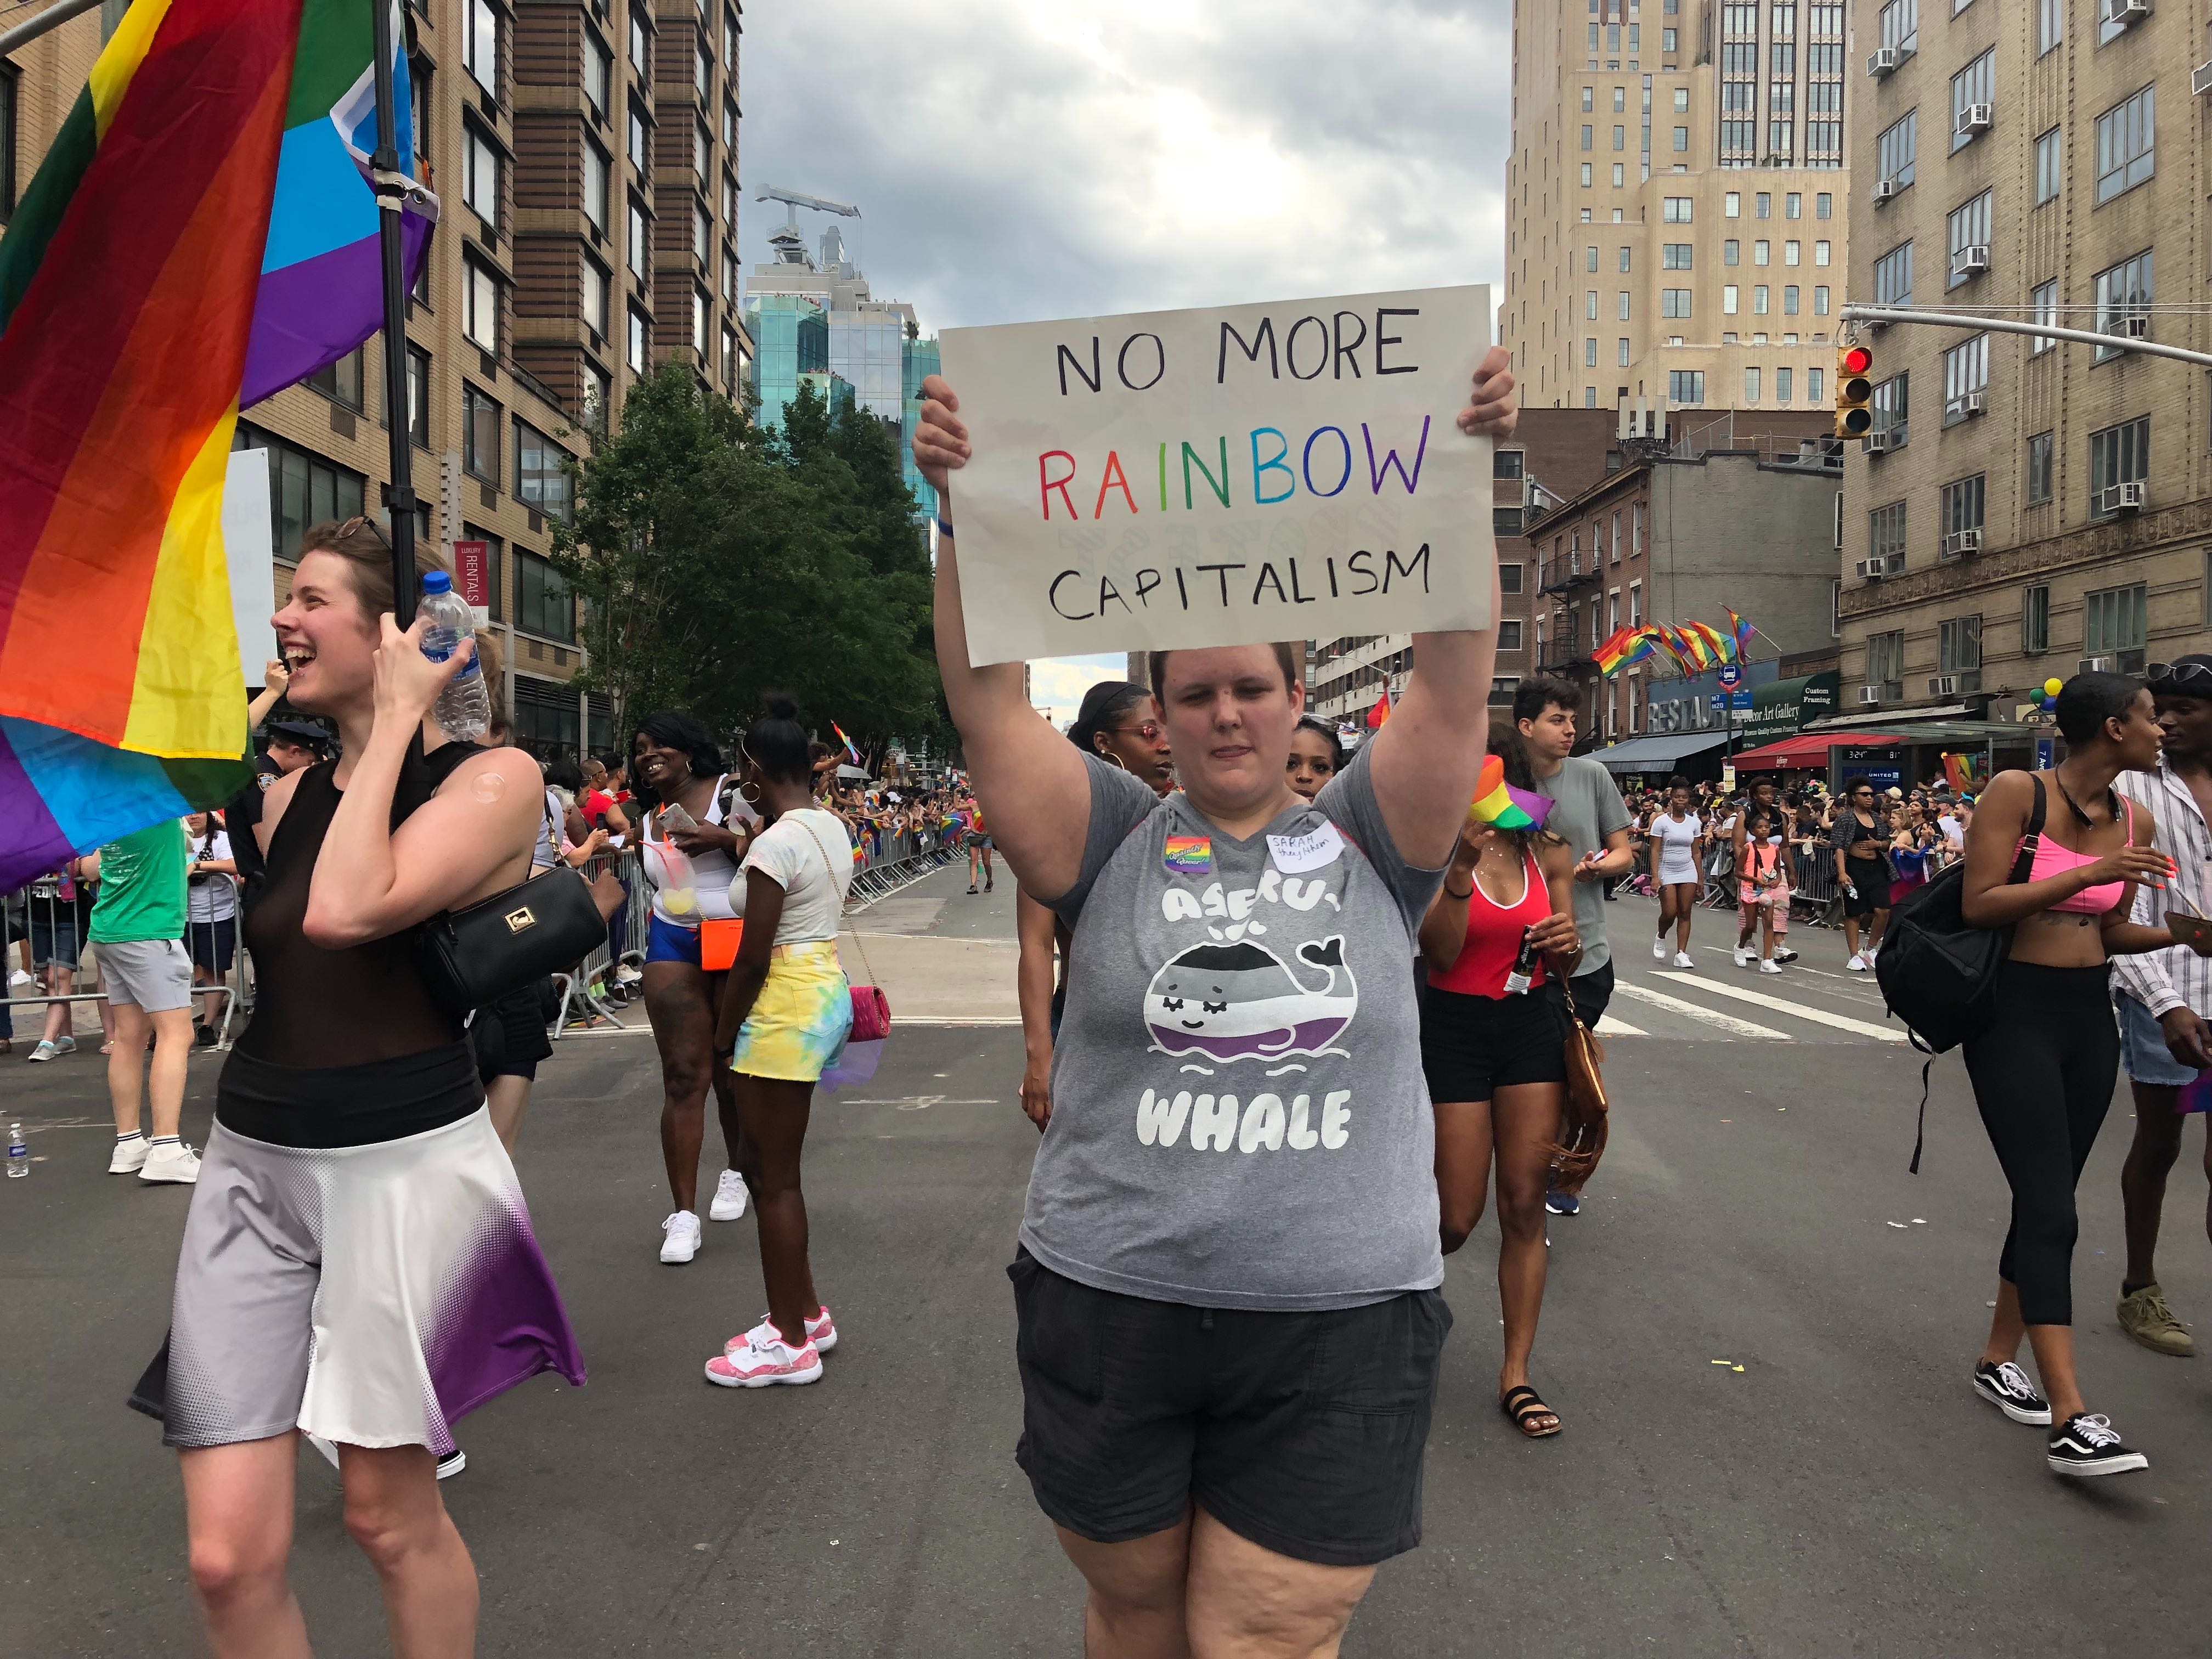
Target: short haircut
1290	656
1541	691
2087	701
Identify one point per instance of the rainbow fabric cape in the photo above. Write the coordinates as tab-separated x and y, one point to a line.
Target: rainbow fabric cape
189	243
1500	804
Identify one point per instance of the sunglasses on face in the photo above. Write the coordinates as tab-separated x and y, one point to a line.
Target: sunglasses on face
1150	731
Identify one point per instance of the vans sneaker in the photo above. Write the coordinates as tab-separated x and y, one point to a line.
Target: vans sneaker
2089	1444
170	1161
821	1331
764	1360
679	1240
131	1151
729	1203
2005	1387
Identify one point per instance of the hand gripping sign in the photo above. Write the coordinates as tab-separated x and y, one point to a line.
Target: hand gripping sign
1223	475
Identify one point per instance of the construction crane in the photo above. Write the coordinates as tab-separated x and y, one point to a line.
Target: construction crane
793	200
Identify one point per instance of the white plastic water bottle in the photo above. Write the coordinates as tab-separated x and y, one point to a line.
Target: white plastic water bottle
19	1152
463	708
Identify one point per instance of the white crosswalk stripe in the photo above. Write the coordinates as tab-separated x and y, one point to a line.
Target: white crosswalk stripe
1728	1023
1796	1010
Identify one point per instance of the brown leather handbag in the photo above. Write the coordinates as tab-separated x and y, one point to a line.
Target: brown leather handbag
1584	1115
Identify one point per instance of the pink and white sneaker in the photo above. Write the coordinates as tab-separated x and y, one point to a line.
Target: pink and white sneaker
763	1357
821	1332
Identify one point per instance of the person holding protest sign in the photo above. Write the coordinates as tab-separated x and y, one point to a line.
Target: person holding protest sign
1228	1345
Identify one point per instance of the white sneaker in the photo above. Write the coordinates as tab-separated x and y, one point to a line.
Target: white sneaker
1855	965
1682	959
1659	949
54	1048
821	1331
1769	965
680	1240
628	975
729	1203
19	977
171	1161
1743	956
129	1156
765	1358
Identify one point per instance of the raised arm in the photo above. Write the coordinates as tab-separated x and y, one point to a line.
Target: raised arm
1031	781
1429	756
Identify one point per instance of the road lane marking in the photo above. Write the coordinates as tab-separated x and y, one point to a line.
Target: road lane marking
1610	1025
1727	1023
1797	1010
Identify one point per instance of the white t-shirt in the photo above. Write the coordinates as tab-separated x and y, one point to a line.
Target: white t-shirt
713	875
1678	860
213	898
801	851
1955	833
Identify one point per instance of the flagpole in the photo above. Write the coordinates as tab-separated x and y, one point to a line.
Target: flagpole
390	185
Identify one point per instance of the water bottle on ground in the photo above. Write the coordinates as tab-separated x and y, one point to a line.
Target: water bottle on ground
19	1152
463	708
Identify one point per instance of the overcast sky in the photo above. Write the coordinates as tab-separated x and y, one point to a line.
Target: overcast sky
1015	159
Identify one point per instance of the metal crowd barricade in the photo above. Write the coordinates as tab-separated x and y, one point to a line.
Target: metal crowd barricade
594	989
1815	898
876	882
56	929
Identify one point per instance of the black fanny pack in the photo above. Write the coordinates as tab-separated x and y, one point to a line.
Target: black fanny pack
479	954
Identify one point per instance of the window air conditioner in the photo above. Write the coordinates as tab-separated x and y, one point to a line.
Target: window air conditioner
1872	570
1886	188
1970	261
2134	328
1943	685
2124	14
1885	61
1869	694
1974	403
1877	443
2095	666
1960	543
1975	117
2200	80
2128	497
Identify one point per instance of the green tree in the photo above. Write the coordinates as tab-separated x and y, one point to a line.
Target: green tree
713	560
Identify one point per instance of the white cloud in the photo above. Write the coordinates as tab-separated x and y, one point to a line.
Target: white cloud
1057	683
1020	159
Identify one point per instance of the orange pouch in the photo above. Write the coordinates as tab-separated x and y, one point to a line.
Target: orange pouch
718	943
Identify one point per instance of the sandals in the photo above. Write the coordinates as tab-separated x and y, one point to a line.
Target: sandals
1523	1405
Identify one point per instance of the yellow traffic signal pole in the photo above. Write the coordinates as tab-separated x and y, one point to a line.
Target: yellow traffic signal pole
1851	313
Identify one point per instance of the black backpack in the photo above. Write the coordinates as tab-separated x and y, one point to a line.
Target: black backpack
1938	972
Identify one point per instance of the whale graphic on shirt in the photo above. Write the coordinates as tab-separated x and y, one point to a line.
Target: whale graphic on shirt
1241	1002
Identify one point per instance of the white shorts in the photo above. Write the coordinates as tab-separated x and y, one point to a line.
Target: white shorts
156	973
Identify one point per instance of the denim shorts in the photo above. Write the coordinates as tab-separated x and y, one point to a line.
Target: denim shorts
2143	1051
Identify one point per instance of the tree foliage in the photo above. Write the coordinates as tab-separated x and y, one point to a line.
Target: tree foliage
712	560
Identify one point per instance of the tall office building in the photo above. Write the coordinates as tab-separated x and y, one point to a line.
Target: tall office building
585	156
824	317
2004	522
1675	202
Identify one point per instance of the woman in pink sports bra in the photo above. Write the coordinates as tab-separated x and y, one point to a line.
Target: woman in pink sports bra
2043	1067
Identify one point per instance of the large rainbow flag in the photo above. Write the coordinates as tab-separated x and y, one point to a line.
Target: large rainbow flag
201	233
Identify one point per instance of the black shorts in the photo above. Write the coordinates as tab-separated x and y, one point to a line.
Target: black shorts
1300	1431
1594	994
1472	1047
1871	878
212	944
508	1035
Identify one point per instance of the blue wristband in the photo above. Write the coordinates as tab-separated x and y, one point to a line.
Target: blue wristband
943	525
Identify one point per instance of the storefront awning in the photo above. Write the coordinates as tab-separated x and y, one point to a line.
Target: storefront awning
1806	752
1656	754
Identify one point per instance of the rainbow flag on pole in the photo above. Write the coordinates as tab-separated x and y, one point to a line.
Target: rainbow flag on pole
186	242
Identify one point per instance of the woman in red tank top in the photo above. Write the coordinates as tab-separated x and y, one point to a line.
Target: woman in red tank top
1493	1045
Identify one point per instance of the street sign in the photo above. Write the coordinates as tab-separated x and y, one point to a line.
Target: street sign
1730	676
1739	698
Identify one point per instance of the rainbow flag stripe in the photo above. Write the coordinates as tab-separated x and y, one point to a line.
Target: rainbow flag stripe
62	794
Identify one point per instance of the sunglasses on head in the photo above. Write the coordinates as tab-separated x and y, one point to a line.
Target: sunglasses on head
360	522
2179	675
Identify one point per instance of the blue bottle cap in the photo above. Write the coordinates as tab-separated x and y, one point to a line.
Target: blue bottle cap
437	582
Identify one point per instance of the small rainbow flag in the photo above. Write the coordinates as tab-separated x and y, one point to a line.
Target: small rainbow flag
188	245
1742	632
847	741
1189	855
1498	804
1712	644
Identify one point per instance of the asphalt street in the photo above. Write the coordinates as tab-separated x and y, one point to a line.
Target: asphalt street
1759	1333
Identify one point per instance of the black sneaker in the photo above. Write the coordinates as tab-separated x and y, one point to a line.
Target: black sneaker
1563	1203
204	1036
452	1463
2007	1388
2089	1444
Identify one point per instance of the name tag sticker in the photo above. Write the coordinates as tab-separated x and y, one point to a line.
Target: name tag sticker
1188	855
1296	854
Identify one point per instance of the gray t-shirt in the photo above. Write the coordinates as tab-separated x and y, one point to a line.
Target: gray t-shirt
1589	809
1239	1118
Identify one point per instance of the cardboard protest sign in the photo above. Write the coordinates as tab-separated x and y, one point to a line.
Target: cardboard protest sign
1222	475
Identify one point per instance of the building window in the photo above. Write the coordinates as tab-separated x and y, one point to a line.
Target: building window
731	30
2038	469
480	305
1819	253
304	489
1782	382
599	395
599	73
1974	84
2050	163
543	604
2125	150
540	480
1751	384
638	142
1895	149
595	166
1966	369
1759	299
639	44
2123	294
1814	380
729	126
480	163
1729	293
1590	136
480	43
341	381
1620	352
1892	407
1586	184
1676	209
1892	276
1789	299
1970	228
1819	299
1885	533
2035	620
1685	387
1962	505
1509	578
634	346
1900	25
1886	662
2044	296
702	151
640	240
595	286
1959	646
2050	24
1762	252
2119	454
1589	351
1509	634
1674	256
700	305
1731	251
2112	620
702	237
419	396
1507	464
1505	520
479	435
1674	301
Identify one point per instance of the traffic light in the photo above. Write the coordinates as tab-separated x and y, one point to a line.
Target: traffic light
1854	390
